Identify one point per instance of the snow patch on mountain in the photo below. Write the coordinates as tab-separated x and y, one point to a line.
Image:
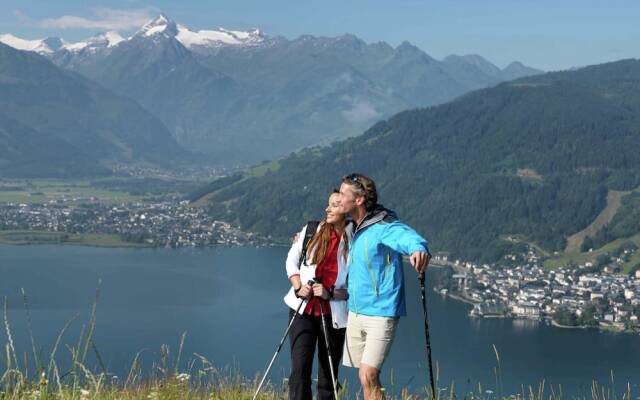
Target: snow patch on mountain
103	40
159	25
37	45
217	37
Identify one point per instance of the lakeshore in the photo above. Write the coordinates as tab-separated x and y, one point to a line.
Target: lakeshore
25	238
576	298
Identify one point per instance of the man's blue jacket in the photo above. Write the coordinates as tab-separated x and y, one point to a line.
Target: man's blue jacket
376	279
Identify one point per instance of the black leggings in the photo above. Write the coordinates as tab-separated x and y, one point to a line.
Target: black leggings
305	332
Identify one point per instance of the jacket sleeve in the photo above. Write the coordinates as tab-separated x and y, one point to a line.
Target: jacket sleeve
402	238
293	258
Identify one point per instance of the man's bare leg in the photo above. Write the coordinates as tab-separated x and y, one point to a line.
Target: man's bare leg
370	381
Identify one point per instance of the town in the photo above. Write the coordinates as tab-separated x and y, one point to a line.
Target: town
163	223
594	294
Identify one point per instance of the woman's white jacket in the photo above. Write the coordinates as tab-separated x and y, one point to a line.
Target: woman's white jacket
307	272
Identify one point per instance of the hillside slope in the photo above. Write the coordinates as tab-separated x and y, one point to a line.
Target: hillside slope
61	124
455	170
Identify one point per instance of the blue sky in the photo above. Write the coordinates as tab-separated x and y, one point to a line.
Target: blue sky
545	34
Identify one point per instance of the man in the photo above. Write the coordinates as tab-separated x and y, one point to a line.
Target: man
376	279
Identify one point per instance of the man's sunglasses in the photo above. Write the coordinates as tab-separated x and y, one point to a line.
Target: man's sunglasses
354	178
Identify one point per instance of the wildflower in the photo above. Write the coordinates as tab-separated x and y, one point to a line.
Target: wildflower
43	379
183	377
84	394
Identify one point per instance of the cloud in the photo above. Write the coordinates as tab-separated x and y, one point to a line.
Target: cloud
360	111
104	19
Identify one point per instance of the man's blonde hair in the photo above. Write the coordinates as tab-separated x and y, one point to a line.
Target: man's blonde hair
364	186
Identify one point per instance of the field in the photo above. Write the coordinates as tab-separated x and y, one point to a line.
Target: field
107	190
44	190
581	258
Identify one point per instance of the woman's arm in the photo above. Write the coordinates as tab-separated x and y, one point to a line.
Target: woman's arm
293	257
293	266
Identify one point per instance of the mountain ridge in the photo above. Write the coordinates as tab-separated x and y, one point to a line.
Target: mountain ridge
243	96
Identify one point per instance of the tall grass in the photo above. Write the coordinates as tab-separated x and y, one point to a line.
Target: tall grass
169	379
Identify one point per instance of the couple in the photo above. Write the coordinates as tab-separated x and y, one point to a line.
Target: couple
355	258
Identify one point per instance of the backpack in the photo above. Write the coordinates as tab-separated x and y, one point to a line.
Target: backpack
312	227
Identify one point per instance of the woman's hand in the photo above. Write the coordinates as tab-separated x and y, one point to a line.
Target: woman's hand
305	292
320	291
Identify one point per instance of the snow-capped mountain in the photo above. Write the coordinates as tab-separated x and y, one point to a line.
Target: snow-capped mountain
243	96
42	46
100	41
161	25
199	41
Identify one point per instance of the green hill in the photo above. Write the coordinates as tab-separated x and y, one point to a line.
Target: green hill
534	157
55	123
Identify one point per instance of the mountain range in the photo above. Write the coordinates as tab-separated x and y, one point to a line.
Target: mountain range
527	161
243	96
56	123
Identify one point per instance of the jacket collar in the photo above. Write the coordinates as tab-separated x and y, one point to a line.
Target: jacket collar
373	217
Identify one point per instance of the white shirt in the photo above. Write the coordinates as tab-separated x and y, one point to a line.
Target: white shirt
307	272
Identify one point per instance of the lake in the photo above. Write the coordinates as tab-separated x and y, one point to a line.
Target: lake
229	303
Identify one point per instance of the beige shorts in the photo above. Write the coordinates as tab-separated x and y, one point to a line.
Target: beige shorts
368	340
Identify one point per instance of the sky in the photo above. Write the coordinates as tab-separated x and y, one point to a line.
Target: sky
549	35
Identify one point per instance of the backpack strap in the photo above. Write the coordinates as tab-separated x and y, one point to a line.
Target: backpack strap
312	227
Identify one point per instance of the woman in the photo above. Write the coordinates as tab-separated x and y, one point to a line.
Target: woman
325	262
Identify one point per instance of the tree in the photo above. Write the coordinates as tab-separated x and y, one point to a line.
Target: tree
588	316
565	317
587	244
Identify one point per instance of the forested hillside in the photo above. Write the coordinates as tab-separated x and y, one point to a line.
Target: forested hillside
533	157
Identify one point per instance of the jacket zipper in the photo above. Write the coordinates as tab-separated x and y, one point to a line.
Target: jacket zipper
370	267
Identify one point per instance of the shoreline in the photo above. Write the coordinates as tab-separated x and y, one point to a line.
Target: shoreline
460	298
602	328
100	240
30	238
557	325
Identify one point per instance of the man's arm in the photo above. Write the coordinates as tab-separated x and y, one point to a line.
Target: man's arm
403	239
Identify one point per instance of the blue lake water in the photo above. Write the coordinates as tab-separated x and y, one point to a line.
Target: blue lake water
229	301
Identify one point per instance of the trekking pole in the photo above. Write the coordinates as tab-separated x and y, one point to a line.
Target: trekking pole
284	337
326	341
426	333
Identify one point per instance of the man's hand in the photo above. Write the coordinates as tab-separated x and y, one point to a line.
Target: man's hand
305	292
320	291
420	260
